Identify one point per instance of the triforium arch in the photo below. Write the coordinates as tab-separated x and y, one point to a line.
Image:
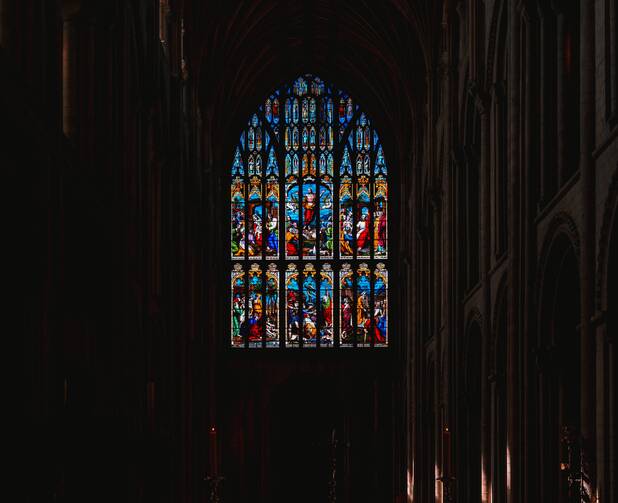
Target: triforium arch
557	365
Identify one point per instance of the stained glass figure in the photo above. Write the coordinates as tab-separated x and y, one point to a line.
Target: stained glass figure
251	139
271	231
272	306
326	307
346	166
322	138
363	218
346	218
309	188
258	139
292	301
326	218
310	306
275	111
380	311
363	305
255	216
309	217
238	219
329	110
292	221
238	168
238	306
380	218
322	164
255	326
312	108
347	309
272	168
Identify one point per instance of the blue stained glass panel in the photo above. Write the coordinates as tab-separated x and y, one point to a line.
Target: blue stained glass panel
326	220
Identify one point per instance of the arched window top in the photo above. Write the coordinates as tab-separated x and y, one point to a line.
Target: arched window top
309	223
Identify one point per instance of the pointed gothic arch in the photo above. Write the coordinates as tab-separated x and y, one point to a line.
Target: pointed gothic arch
309	223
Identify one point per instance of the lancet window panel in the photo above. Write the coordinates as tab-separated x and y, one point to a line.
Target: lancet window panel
309	224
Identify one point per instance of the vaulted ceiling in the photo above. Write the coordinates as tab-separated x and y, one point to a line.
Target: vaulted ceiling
375	50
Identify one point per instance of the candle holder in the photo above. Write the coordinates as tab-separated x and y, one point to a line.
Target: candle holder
448	484
214	482
332	485
575	466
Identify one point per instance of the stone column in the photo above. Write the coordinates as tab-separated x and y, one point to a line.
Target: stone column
482	106
513	469
587	342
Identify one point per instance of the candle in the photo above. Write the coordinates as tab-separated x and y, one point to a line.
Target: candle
214	461
446	452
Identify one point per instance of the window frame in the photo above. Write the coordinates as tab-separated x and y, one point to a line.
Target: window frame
337	262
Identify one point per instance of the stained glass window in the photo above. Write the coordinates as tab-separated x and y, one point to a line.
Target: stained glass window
309	224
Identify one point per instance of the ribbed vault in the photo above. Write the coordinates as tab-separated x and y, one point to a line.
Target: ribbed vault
241	51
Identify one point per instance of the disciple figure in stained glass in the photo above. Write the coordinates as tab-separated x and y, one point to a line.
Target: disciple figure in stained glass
326	306
272	306
310	306
292	220
326	219
255	327
363	304
380	311
346	291
238	306
293	320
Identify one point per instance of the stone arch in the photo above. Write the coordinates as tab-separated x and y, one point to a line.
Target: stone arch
557	354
